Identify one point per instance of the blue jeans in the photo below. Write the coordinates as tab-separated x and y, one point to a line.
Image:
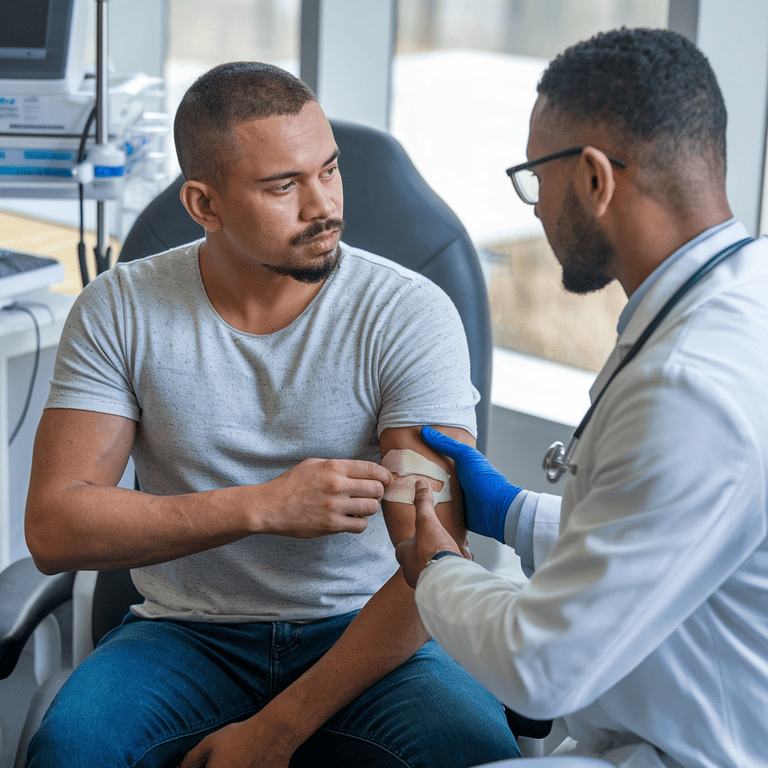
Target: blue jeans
154	689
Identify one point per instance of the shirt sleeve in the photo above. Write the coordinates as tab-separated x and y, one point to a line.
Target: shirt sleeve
92	370
665	519
424	370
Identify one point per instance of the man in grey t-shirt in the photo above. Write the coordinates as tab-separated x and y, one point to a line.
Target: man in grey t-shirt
256	377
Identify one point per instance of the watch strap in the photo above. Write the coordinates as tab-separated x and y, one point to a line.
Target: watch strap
442	553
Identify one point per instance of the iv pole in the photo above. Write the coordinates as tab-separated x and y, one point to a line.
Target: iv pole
104	165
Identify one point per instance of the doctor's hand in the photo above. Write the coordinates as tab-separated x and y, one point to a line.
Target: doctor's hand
487	493
430	537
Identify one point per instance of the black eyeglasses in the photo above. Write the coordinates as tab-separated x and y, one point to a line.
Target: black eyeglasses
526	184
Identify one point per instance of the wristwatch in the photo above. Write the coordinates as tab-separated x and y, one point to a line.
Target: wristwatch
442	553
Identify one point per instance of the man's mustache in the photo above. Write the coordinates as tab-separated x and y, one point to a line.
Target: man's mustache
317	228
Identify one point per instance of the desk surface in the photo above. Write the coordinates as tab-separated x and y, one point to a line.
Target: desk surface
18	342
23	233
17	332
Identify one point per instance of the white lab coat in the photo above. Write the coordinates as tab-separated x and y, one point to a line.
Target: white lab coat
646	619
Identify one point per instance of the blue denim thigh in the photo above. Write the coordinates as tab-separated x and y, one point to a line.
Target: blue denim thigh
154	689
428	713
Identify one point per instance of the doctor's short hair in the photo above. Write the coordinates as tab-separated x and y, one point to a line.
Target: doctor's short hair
222	98
652	90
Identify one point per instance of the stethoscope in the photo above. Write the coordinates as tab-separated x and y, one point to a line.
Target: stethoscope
557	459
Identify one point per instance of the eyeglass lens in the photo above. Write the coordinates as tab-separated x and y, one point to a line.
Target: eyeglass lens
527	186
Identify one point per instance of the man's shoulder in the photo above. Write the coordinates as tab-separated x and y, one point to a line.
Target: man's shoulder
378	263
163	272
393	288
162	279
365	267
158	263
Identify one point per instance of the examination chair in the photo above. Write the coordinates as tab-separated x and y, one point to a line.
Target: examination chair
389	210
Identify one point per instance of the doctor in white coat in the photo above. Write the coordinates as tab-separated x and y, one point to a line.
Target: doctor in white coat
645	620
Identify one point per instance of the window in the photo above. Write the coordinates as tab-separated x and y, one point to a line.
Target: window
465	74
204	33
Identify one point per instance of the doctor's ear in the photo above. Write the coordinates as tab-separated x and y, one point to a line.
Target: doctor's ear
598	183
200	200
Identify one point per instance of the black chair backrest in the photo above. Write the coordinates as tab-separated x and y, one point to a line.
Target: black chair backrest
113	594
392	211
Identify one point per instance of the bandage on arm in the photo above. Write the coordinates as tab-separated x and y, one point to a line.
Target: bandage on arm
407	467
400	516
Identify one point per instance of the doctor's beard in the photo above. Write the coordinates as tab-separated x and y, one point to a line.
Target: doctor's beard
584	252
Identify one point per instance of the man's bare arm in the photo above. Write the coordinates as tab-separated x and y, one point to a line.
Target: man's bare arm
77	519
385	634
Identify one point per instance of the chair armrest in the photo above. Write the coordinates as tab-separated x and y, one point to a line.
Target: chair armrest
524	726
26	598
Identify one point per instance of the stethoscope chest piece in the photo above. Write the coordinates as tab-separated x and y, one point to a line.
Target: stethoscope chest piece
557	460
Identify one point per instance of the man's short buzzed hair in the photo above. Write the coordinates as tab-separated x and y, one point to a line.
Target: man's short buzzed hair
222	98
652	90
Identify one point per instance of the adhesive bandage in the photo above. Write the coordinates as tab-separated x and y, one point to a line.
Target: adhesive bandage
407	467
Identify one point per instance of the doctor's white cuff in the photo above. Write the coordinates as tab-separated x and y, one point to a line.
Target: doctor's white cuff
519	527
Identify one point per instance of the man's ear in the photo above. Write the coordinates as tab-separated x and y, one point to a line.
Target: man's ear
199	200
597	184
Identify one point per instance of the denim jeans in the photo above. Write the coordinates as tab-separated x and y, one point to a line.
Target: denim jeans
154	689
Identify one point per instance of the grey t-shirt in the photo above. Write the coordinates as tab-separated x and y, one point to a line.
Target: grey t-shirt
378	347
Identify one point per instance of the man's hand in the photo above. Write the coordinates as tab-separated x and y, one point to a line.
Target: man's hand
487	493
240	745
430	537
319	497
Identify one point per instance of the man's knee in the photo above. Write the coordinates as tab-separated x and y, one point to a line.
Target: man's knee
83	734
459	718
92	721
71	736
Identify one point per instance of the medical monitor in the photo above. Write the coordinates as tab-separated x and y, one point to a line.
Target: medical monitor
42	45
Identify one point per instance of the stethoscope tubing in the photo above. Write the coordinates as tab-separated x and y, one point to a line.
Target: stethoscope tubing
557	461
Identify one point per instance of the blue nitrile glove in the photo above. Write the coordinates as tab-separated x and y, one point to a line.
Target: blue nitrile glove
487	493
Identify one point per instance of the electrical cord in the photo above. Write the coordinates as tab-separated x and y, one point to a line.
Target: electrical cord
22	308
40	305
81	194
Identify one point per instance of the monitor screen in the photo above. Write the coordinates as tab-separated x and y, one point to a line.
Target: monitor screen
34	39
23	33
